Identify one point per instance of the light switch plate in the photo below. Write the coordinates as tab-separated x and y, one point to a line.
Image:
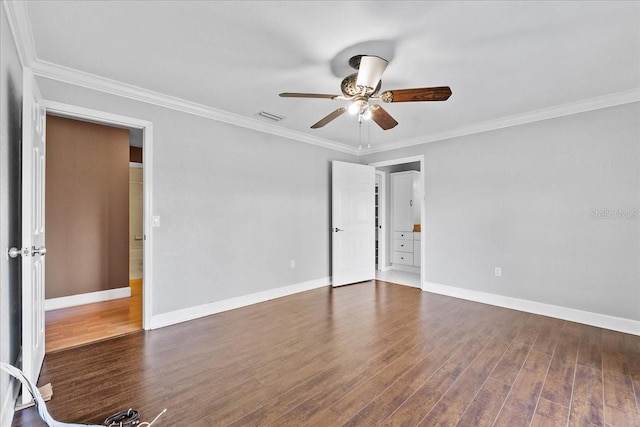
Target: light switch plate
155	221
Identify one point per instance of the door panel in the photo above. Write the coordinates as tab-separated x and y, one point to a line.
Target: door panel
402	184
33	230
353	220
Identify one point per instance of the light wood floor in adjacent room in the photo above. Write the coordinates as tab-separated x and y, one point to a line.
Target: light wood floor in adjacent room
73	326
361	355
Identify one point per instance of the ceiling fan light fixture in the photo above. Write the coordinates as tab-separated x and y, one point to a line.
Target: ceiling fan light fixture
354	108
370	72
366	114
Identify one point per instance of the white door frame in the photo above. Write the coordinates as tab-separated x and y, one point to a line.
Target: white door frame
110	119
382	218
411	159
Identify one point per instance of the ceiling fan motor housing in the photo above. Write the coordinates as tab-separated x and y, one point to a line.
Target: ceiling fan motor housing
349	88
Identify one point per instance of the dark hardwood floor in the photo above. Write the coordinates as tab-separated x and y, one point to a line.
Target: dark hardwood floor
361	355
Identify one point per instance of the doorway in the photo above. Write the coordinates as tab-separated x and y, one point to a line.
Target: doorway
136	305
400	234
89	294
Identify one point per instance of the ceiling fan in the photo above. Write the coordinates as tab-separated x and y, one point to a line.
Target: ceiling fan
362	87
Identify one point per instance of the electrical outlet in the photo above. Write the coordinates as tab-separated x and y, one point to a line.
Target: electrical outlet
293	263
498	272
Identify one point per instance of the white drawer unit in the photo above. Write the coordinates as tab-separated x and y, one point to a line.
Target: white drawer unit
403	245
403	235
403	258
406	249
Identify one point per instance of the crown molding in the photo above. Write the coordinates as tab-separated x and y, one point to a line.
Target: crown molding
63	74
596	103
20	25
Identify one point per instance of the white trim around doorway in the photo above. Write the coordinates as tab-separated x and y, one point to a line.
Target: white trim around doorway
382	217
102	117
411	159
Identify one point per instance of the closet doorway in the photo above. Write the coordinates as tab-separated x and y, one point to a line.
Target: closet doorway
400	221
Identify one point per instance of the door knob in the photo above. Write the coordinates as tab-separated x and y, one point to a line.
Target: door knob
41	250
15	252
337	229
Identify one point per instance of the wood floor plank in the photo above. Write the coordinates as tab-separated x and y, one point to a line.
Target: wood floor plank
546	342
558	385
512	327
469	383
486	405
590	349
550	414
526	389
619	398
618	417
508	368
618	391
447	412
362	355
632	350
587	403
635	377
418	405
512	418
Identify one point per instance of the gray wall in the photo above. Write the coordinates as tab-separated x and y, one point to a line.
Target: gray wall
236	205
526	199
10	137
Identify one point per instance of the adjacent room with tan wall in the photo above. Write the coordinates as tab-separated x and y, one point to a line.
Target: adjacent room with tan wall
87	207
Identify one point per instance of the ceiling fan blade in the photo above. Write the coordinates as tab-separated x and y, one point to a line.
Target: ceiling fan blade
382	118
370	72
307	95
441	93
329	118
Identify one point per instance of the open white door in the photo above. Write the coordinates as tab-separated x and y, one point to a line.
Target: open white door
33	243
353	223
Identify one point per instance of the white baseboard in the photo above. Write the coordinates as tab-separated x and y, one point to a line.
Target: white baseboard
10	397
385	268
8	403
88	298
565	313
186	314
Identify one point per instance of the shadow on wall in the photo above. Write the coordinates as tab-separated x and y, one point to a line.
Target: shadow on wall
14	202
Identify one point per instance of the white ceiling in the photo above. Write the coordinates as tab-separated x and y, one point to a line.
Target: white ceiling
501	59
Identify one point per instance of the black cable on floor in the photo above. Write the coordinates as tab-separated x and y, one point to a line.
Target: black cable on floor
123	419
